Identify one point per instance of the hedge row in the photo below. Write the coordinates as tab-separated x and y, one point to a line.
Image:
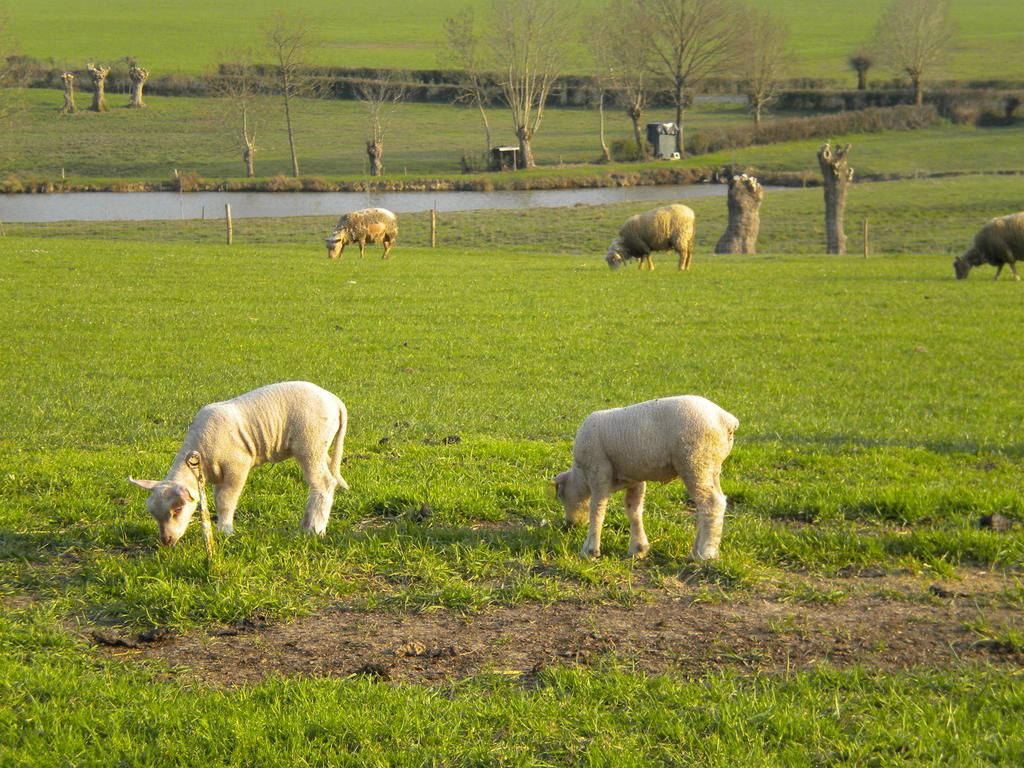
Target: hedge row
871	120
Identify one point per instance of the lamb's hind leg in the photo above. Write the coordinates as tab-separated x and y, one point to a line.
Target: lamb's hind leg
706	492
634	502
321	493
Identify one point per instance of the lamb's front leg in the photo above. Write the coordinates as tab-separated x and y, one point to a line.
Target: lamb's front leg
638	544
592	544
225	497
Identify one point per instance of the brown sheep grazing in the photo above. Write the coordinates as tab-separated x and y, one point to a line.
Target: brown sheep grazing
664	229
369	225
999	242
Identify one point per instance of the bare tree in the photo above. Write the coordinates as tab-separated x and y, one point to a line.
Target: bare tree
860	62
836	175
290	42
915	36
381	97
689	41
744	205
98	73
612	41
69	108
760	55
138	76
528	42
237	84
460	50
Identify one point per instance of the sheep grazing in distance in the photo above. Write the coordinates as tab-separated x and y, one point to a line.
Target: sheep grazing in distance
292	419
369	225
999	242
657	440
663	229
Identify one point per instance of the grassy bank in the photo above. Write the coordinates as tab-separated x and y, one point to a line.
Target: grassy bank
144	149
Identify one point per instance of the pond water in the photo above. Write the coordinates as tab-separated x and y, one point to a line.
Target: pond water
141	206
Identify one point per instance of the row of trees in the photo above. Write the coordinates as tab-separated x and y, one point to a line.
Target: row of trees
290	44
680	42
521	44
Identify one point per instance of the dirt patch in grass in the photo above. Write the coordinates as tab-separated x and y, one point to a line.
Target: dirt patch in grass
884	623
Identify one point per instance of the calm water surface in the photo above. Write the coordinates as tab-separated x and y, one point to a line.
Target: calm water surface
140	206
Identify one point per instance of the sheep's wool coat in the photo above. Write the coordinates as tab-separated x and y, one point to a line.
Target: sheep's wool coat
648	441
1000	241
370	225
269	424
661	229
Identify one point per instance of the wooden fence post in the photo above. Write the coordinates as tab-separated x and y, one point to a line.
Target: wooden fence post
433	227
227	219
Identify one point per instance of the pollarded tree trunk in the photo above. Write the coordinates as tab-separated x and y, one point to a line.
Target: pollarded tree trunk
837	176
918	86
744	201
138	76
249	155
69	108
635	116
99	73
375	151
525	135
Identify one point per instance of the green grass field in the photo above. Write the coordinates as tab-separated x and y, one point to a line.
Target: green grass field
187	35
879	407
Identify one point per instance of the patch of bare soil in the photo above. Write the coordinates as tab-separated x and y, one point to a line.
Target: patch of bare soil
883	623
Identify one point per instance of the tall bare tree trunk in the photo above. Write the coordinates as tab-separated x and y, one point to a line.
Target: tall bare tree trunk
99	73
291	135
69	108
744	202
375	151
249	148
487	124
138	76
605	154
837	176
679	96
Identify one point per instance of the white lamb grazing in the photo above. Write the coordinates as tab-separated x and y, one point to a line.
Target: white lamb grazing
659	440
292	419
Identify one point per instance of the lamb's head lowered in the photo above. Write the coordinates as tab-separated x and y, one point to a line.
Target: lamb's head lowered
171	504
574	493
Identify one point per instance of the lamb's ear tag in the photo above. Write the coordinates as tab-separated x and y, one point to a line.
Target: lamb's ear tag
552	489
